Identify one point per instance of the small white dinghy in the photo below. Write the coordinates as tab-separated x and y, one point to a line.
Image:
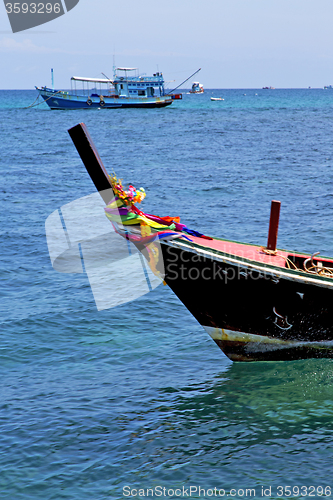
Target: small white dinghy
216	99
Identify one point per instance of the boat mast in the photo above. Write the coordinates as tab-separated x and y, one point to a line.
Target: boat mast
114	66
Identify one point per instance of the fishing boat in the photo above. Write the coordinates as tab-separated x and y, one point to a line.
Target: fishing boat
328	87
196	88
122	91
257	302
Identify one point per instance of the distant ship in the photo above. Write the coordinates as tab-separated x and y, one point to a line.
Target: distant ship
328	87
197	88
119	92
268	88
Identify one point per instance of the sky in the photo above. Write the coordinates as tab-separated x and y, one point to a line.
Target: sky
236	43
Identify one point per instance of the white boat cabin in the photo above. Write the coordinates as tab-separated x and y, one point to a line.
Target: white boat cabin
121	85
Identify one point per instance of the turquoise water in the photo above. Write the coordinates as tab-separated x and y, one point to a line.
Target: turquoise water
139	396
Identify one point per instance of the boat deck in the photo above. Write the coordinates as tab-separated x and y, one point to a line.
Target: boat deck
259	253
243	250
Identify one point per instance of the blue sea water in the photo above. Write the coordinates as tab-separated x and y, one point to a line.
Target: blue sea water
138	396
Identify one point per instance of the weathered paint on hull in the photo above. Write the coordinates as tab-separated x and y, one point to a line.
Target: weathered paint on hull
239	346
256	314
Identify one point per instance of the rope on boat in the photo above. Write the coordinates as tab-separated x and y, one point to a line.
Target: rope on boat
313	269
33	105
316	269
319	271
268	252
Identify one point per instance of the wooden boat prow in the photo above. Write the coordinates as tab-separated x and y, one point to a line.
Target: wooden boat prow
258	303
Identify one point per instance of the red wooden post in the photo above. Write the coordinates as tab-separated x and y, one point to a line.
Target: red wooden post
273	225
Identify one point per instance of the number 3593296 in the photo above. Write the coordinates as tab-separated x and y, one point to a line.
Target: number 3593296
33	8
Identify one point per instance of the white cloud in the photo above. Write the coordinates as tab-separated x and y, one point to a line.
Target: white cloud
11	45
